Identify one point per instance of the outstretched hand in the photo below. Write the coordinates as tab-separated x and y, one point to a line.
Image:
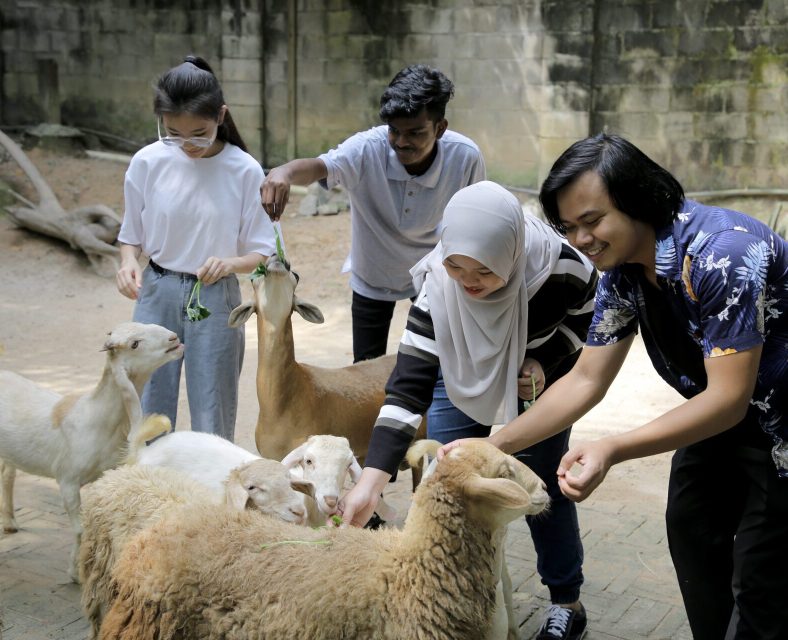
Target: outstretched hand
358	504
595	458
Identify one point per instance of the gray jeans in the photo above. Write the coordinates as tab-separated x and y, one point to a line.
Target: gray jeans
213	353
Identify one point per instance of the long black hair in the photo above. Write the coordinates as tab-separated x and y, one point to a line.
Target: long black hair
192	87
637	185
415	88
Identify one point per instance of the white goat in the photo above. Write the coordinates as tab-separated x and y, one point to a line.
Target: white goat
298	399
76	437
222	574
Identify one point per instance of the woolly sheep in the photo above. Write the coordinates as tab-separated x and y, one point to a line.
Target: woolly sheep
212	461
74	438
125	500
296	399
421	456
242	575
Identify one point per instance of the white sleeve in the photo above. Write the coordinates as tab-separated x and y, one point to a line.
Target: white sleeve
345	163
131	228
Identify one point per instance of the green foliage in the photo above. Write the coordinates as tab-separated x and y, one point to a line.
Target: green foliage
194	310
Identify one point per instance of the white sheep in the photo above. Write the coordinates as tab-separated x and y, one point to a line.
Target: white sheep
327	461
242	575
298	399
229	471
74	438
125	500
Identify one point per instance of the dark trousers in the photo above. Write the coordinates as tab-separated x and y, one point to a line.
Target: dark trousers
556	534
727	522
371	323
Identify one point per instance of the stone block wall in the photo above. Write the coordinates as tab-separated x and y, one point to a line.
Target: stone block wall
93	64
698	84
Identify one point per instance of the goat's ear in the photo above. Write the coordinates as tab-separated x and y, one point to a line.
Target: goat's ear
499	493
308	311
237	496
294	457
355	470
303	486
240	314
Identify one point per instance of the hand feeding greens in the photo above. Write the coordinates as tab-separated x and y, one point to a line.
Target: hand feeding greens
260	270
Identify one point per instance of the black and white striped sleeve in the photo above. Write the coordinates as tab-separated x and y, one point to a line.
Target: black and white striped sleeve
408	391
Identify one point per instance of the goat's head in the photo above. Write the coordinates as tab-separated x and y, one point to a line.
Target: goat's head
497	487
142	348
326	461
266	485
274	297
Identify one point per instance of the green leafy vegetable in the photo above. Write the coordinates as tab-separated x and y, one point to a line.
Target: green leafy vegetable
280	252
259	271
336	519
195	311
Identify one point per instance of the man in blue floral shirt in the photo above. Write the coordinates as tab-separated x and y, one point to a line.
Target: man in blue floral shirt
708	289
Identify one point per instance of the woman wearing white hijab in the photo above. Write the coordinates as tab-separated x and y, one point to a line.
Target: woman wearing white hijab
503	309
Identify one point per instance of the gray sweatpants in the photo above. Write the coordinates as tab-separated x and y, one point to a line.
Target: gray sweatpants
213	353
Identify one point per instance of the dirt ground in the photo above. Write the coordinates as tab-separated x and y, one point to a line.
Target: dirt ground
55	312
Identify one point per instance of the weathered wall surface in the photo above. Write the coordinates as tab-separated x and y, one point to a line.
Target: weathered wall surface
699	84
92	64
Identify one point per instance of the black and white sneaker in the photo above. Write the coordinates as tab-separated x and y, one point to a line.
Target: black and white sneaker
561	623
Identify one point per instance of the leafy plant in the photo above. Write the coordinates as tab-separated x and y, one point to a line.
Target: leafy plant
259	272
196	312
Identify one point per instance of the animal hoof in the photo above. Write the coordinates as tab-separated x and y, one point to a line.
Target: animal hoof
10	528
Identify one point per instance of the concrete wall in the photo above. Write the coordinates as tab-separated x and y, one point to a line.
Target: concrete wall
698	84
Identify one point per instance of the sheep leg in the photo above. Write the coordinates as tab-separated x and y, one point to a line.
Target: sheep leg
506	583
8	473
70	491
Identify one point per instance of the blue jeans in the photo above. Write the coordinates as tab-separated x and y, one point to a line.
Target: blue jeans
556	535
213	353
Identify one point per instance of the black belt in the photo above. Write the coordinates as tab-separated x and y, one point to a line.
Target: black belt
168	272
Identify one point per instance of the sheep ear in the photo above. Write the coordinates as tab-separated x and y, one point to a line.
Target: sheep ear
295	457
500	493
237	496
355	470
308	311
303	486
241	314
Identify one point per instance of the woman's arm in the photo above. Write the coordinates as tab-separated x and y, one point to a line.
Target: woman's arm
129	276
214	268
724	402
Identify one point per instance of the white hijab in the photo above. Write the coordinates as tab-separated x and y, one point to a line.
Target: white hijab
481	342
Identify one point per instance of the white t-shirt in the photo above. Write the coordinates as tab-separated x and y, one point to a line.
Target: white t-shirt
180	210
395	217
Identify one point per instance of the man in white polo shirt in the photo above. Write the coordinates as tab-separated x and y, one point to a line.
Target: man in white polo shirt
399	177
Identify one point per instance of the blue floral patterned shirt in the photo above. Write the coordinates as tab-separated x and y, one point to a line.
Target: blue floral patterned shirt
723	288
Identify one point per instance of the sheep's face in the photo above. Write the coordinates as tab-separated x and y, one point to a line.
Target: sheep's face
265	485
143	347
325	461
498	487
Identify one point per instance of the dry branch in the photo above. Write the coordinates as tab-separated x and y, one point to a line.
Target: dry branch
91	229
